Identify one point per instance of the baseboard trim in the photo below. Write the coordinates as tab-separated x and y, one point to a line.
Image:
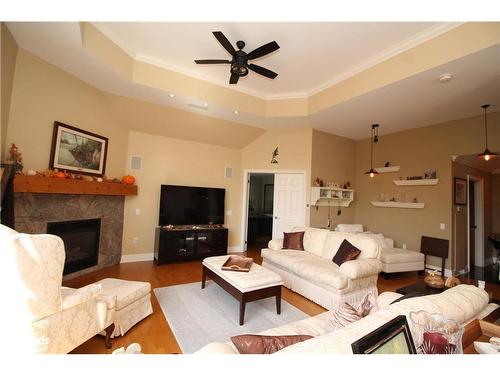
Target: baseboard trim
235	249
447	271
144	257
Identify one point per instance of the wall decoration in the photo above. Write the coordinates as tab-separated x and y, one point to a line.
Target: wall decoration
460	191
75	149
274	160
394	337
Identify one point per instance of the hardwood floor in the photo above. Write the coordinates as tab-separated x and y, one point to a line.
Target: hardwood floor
154	333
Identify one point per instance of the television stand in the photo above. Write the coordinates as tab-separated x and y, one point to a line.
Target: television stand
181	243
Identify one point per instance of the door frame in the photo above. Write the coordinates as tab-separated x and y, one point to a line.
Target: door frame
246	192
479	216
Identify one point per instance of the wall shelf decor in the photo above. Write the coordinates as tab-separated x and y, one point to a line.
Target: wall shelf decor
388	169
326	196
398	204
422	182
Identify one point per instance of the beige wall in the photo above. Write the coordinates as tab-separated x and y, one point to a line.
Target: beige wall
8	61
177	162
333	159
459	216
416	151
495	193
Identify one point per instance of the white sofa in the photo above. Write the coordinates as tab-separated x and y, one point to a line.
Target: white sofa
393	259
312	273
462	303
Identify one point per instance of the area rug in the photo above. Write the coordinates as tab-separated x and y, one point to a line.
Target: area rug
200	316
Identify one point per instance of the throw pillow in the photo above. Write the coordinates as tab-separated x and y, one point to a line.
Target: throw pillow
293	241
347	251
348	313
260	344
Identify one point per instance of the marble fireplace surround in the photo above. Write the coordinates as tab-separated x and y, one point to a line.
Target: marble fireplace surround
32	212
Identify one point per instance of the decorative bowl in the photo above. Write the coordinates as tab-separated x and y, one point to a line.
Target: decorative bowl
434	281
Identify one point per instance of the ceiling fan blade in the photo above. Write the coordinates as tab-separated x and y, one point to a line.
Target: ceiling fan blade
263	50
225	42
212	61
234	79
263	71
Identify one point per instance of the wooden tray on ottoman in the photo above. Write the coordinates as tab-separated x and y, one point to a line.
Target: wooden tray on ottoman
480	330
237	263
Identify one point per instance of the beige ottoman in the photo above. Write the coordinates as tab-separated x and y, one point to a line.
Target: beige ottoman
401	260
132	304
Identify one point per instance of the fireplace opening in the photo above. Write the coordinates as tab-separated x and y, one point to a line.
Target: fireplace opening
81	242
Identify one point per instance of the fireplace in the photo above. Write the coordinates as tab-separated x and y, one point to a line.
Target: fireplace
81	242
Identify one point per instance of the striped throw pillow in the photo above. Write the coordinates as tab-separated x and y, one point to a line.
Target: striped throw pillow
346	314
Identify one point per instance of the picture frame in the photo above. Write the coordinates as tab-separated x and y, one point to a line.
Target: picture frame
460	191
394	337
77	150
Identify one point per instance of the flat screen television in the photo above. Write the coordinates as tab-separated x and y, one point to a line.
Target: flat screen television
190	205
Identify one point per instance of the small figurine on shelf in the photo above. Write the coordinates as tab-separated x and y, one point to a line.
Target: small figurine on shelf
317	181
415	200
15	158
386	164
274	159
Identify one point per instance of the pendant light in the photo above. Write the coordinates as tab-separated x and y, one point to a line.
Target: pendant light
487	154
374	139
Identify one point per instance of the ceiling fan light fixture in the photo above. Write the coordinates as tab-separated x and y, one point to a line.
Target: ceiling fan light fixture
239	70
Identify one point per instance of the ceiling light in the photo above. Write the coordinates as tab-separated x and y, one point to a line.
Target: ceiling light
443	78
172	95
373	139
205	104
487	154
236	112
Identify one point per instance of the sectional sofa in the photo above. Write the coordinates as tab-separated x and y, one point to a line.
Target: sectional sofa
312	273
462	303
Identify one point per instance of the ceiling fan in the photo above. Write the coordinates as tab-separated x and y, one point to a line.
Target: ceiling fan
239	63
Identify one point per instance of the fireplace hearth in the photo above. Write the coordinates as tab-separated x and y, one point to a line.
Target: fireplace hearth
81	242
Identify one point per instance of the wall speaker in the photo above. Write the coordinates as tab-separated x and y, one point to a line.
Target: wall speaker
135	162
229	172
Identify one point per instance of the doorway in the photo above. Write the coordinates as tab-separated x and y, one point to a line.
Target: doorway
260	209
273	203
475	219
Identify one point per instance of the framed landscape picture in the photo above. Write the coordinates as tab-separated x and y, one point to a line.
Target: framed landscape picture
460	191
394	337
77	150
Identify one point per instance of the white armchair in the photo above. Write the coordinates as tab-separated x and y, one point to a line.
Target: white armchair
45	317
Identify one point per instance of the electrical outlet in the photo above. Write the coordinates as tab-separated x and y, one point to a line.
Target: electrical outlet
442	226
404	246
135	240
137	211
229	212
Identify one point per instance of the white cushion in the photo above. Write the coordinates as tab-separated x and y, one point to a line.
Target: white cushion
308	266
378	238
276	244
332	243
126	291
6	231
395	255
314	240
257	278
353	228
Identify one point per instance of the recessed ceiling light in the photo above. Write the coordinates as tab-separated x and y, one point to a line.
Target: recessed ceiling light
236	112
205	104
443	78
172	95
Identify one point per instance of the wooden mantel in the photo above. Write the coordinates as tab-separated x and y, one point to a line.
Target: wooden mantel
52	185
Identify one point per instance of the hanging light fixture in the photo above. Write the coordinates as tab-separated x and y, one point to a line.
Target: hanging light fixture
487	154
373	139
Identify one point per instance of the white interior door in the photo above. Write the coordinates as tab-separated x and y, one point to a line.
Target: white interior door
289	203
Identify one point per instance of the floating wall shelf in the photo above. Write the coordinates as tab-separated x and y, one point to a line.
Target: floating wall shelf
325	196
422	182
388	169
397	204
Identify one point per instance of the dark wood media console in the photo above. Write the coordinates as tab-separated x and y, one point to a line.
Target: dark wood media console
186	243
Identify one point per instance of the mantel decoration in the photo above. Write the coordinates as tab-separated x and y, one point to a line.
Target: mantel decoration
15	158
78	150
274	159
460	191
487	154
373	139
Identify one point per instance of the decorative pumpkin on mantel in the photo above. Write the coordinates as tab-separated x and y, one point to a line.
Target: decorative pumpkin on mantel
128	180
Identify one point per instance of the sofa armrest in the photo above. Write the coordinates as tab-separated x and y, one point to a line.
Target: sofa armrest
358	268
275	244
81	295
